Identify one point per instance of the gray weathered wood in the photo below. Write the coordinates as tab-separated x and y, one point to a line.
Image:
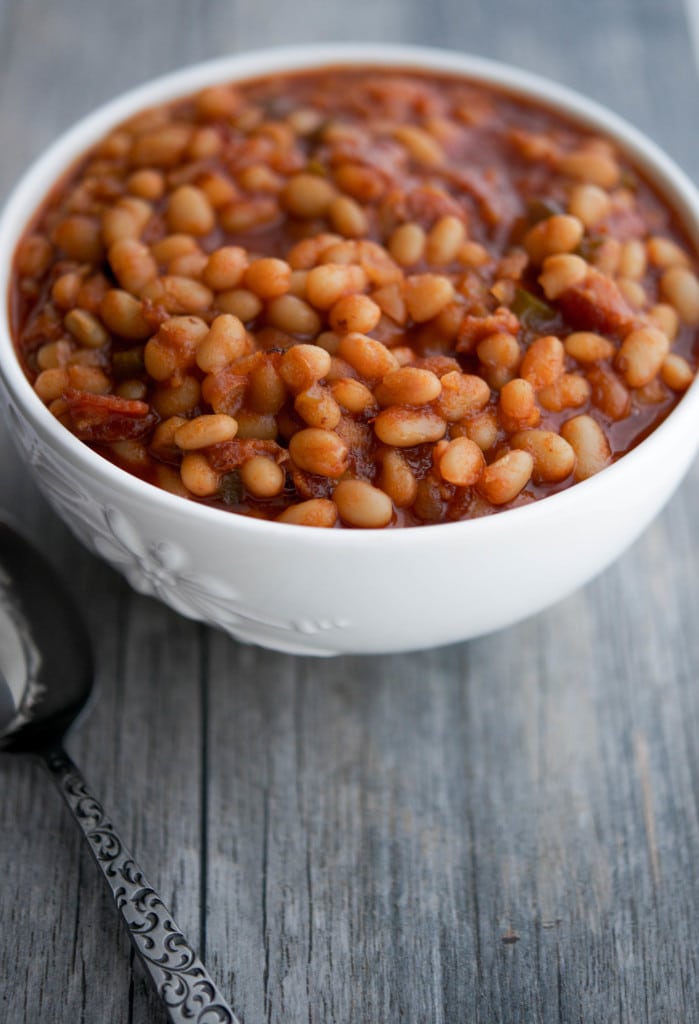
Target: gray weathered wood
501	831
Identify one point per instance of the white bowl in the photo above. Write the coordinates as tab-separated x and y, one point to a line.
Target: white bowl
313	591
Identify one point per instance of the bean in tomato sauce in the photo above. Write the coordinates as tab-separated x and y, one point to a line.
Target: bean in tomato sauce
357	297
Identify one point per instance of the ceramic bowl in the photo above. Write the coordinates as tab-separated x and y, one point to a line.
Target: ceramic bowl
311	591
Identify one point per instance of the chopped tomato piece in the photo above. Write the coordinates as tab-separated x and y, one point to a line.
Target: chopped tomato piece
229	455
108	418
596	304
475	328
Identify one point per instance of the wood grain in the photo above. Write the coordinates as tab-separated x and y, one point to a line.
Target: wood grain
504	831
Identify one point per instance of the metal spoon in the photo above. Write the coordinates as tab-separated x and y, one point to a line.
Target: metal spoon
46	674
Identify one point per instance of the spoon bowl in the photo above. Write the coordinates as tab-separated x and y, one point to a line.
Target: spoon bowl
46	662
46	678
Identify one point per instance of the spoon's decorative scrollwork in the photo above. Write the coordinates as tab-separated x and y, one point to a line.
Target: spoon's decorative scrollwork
180	978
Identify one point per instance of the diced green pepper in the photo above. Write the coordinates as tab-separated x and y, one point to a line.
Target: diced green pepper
231	488
128	363
541	209
590	246
530	310
316	167
526	305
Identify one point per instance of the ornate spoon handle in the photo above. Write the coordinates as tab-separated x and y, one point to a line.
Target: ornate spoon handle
180	978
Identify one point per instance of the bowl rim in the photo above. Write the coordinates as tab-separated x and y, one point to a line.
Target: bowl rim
47	168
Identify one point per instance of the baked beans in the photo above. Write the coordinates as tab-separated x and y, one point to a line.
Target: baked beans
335	299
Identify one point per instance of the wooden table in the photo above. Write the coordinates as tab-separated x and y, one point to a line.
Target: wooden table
506	830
